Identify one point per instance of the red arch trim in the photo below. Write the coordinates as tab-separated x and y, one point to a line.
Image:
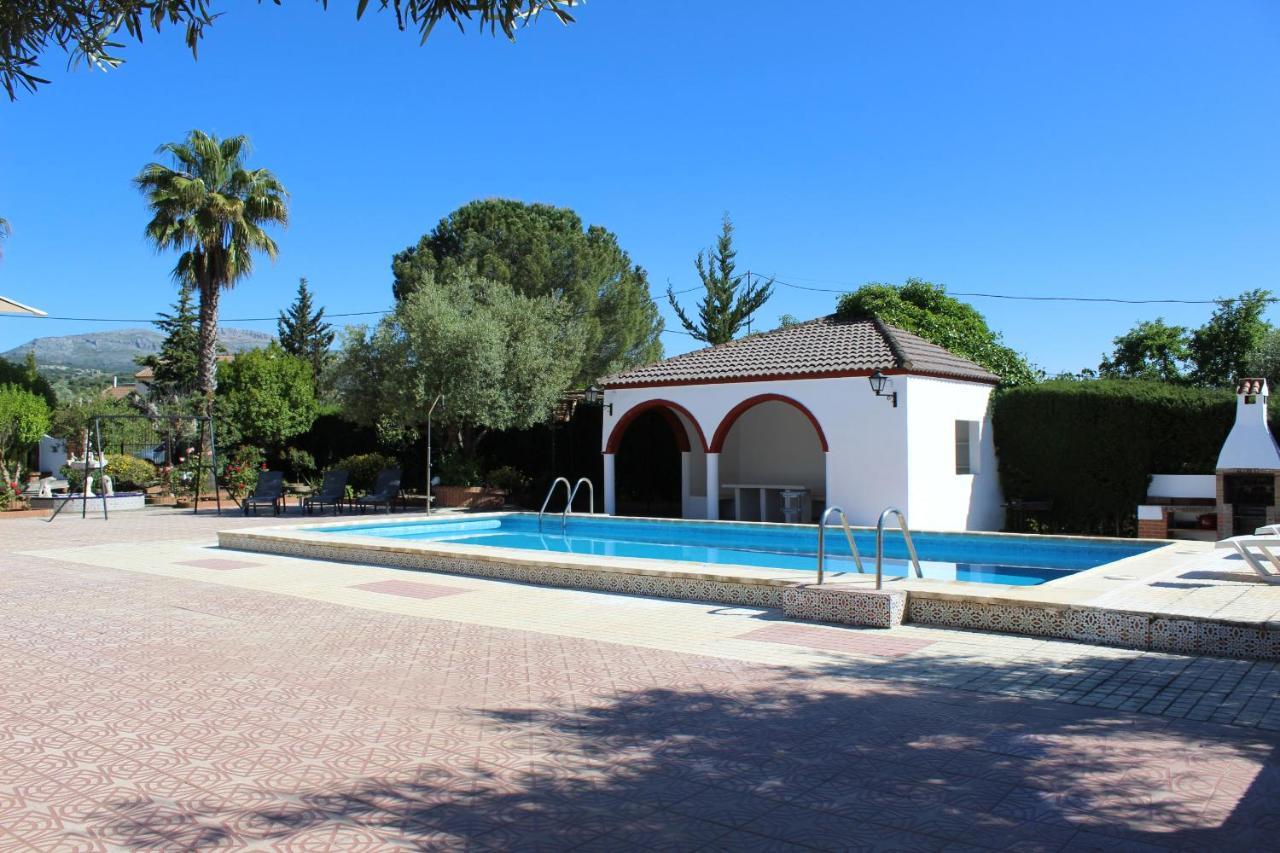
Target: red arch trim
668	410
722	431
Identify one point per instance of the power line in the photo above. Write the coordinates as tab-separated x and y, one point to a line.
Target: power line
1024	297
845	289
151	320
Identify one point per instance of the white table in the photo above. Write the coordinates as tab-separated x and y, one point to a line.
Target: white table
758	507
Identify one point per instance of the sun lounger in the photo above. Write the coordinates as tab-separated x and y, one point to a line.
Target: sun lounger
1258	552
385	491
268	492
333	491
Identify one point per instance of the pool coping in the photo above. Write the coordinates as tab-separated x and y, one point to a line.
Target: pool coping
1066	608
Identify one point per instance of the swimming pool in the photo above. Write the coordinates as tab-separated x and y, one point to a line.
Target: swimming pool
973	557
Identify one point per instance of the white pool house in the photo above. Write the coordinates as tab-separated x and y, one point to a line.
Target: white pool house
855	413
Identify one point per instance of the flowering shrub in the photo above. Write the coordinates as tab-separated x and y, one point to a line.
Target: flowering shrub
129	473
180	480
10	496
240	475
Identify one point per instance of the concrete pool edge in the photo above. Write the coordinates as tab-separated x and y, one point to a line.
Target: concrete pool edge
1054	610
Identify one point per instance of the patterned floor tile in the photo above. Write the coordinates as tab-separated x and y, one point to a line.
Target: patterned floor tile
151	710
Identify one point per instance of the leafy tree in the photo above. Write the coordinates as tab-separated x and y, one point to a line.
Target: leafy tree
88	29
304	333
265	397
1219	349
24	417
727	305
176	367
26	376
1150	350
924	309
69	420
502	360
1264	361
543	251
213	209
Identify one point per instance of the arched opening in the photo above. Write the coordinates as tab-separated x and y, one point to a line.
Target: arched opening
647	467
770	445
659	459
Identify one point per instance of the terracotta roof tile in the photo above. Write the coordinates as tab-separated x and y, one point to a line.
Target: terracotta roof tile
827	345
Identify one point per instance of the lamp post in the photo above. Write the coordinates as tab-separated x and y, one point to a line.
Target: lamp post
430	412
878	380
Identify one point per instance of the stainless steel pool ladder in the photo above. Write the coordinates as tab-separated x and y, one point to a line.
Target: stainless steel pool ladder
568	490
591	499
571	491
822	539
906	535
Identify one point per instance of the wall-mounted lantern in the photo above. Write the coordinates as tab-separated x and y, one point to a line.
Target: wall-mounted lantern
878	382
595	397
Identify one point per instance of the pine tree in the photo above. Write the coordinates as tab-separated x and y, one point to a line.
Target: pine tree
304	333
177	365
727	305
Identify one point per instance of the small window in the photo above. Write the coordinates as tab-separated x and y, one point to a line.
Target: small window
966	447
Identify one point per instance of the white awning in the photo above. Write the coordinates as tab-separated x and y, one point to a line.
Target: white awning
8	306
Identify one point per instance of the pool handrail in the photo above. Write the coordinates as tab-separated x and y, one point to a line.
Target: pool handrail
568	490
822	539
906	535
568	508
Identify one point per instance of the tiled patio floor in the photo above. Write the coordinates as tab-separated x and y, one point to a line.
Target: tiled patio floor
151	702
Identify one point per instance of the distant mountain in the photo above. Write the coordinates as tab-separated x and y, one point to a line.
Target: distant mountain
115	351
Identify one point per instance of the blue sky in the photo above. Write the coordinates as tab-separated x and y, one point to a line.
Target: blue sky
1078	148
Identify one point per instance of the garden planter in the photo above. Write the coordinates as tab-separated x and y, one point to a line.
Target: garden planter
470	497
24	513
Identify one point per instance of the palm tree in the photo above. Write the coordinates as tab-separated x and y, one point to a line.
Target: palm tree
4	230
214	210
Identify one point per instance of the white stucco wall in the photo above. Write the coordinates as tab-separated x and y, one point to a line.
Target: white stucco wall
938	497
1250	443
1183	486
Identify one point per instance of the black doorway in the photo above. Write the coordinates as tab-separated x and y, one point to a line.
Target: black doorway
647	468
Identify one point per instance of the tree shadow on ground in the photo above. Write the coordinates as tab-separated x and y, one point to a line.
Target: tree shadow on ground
782	757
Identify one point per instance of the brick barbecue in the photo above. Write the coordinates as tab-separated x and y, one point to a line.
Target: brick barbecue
1248	470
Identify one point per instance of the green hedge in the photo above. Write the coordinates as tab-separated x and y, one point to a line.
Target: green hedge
1090	447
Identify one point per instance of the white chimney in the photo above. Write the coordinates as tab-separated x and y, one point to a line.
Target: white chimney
1250	444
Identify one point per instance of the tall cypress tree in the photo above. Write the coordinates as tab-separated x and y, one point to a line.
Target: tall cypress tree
177	365
303	331
727	305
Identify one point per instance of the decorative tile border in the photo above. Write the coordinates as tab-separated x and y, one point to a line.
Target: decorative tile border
882	608
875	608
1103	627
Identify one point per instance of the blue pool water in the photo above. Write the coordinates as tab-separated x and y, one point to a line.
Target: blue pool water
980	558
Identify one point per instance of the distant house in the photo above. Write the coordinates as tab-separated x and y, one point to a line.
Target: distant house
832	412
143	379
117	391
